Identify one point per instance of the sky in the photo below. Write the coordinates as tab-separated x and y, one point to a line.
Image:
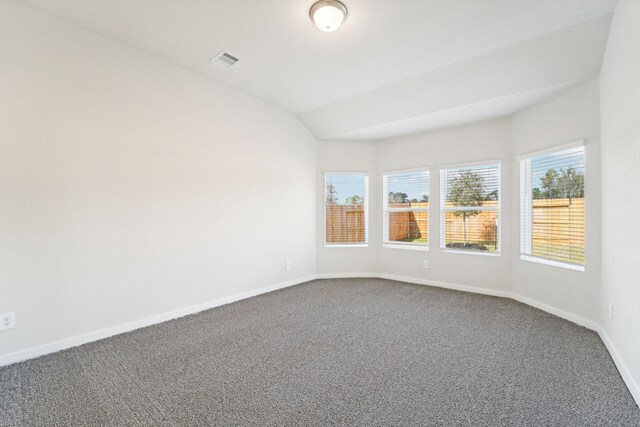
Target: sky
347	186
562	160
414	184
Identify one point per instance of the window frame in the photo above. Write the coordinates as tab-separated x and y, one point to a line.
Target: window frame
386	210
443	209
366	210
526	206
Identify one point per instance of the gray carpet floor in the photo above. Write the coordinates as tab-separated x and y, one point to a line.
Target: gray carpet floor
364	352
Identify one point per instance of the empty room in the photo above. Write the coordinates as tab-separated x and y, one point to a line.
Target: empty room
319	213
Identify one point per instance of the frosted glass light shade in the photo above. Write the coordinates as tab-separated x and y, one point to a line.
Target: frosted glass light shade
328	15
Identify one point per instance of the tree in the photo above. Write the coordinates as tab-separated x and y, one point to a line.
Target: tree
398	197
467	189
549	183
571	184
354	200
332	195
424	199
565	184
536	193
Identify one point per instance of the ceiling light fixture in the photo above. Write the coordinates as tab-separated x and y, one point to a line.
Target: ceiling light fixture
328	15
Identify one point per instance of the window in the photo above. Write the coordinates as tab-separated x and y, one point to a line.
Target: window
406	210
470	208
552	207
346	208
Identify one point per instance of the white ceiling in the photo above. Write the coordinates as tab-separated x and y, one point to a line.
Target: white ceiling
456	116
526	71
286	61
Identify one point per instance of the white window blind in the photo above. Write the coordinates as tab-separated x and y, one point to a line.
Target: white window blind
470	208
552	207
406	209
346	198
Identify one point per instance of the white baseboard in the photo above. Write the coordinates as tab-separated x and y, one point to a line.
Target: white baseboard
632	385
589	324
497	293
415	281
77	340
463	288
346	275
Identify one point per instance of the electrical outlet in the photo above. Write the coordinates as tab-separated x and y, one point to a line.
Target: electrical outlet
7	321
287	265
425	264
610	311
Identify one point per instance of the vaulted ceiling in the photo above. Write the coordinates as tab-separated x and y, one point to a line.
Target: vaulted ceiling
395	67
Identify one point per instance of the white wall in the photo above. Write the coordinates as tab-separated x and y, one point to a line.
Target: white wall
566	118
570	116
620	108
347	156
471	143
129	187
579	296
482	141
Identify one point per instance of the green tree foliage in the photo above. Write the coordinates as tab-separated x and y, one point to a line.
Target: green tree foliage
398	197
423	199
549	183
537	194
467	189
563	184
493	195
354	201
571	184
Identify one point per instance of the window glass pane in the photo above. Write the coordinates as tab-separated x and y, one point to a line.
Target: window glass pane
406	206
557	206
345	209
471	208
405	189
473	186
409	227
478	231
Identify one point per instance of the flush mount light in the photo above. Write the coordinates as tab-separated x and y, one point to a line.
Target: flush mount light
328	15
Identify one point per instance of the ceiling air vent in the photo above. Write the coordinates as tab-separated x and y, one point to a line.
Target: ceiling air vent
225	59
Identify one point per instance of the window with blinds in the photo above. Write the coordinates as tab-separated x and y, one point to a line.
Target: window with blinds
406	209
552	207
346	200
470	208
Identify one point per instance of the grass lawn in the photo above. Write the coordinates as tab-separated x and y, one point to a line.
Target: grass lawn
422	240
562	253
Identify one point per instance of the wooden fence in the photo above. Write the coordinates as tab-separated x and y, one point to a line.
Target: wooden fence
558	229
558	226
344	224
480	228
408	226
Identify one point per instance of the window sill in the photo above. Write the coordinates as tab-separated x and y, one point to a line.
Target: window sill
423	248
347	245
470	252
552	263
